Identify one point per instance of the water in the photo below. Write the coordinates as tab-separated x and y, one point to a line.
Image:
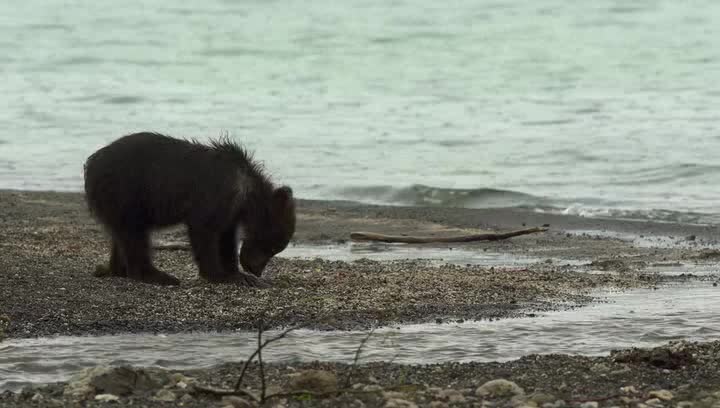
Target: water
390	252
640	318
599	108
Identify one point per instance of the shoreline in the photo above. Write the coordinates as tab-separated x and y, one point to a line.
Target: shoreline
51	246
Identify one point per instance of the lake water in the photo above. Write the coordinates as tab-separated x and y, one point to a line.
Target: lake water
595	108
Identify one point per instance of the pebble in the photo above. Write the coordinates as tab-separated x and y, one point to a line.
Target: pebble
399	403
499	388
165	396
450	395
654	402
186	399
107	398
542	398
628	390
664	395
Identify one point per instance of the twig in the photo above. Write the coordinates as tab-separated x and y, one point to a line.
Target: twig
263	345
408	239
357	356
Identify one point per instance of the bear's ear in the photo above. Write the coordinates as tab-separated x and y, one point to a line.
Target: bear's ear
283	197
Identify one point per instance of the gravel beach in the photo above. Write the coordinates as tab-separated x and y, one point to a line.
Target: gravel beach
50	247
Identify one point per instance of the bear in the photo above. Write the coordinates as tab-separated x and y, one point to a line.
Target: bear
146	181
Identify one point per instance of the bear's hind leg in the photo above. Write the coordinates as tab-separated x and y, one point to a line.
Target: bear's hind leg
135	248
117	263
116	266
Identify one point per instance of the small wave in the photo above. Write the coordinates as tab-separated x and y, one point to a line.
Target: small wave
667	174
650	214
427	196
422	195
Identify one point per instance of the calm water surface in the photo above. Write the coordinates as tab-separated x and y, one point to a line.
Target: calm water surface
600	108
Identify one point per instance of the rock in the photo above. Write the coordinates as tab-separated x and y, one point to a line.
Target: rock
127	380
273	389
654	402
452	396
79	388
499	388
236	402
37	397
165	396
180	381
393	395
663	395
186	399
590	404
666	358
541	398
600	368
114	380
438	404
628	390
372	388
358	404
313	380
685	404
107	398
399	403
625	369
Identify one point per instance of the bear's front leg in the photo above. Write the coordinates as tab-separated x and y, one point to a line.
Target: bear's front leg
229	260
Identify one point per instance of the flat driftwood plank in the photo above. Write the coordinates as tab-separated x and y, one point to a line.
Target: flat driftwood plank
408	239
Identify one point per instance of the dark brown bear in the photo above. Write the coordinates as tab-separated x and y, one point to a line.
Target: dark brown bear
145	181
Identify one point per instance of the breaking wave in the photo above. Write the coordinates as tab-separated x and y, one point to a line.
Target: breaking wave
421	195
427	196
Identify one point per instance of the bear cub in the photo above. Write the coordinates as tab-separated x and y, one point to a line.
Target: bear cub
144	181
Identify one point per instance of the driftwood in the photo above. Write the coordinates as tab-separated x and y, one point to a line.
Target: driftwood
408	239
403	239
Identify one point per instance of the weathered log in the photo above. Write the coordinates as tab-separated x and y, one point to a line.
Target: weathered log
408	239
